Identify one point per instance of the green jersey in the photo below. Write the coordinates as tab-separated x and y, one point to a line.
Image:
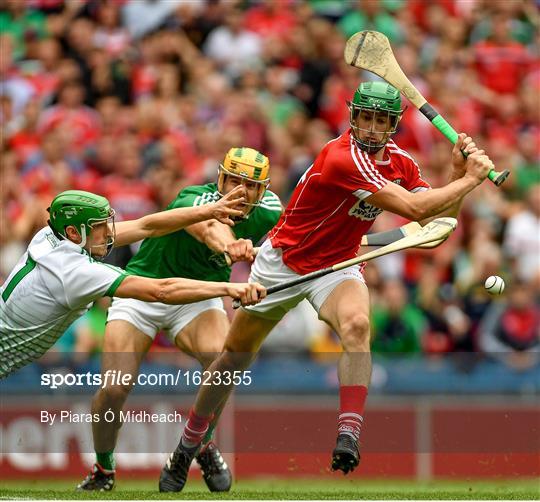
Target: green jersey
181	255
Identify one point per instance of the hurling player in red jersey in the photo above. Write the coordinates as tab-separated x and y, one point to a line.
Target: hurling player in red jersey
353	179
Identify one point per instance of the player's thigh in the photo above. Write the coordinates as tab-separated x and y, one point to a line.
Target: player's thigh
203	337
347	306
269	270
248	331
124	347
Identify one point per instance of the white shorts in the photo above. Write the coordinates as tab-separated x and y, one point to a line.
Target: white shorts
268	269
153	317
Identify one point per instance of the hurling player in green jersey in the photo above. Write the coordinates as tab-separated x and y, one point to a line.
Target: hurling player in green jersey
198	329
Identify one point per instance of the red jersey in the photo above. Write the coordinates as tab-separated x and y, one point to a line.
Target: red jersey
501	67
279	22
80	125
327	214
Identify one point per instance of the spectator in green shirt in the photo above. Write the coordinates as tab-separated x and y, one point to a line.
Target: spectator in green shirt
22	23
527	172
397	326
370	15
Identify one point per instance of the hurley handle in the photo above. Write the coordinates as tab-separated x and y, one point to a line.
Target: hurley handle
448	131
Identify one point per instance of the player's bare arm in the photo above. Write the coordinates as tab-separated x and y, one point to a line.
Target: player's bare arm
464	145
166	222
421	205
221	239
180	290
213	234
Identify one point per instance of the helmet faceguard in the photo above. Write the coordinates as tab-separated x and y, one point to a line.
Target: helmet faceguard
245	164
109	243
383	104
82	210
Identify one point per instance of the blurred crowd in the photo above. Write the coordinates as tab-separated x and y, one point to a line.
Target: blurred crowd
136	99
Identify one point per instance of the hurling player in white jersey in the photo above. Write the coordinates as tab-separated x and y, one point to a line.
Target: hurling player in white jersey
352	180
59	276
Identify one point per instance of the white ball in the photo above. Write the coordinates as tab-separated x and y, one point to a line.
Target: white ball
494	285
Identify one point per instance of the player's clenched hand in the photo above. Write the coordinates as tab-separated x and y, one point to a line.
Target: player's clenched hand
240	250
228	206
478	165
464	144
247	293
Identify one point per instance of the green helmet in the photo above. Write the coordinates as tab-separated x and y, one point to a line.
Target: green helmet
82	210
377	97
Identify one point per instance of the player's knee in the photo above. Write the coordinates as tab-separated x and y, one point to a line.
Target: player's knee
354	333
210	354
235	361
249	345
115	395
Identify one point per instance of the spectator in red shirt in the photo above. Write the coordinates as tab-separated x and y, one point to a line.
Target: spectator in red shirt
510	330
78	121
46	79
500	62
132	196
270	18
25	141
52	169
19	213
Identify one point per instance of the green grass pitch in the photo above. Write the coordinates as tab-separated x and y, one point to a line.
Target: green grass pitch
271	489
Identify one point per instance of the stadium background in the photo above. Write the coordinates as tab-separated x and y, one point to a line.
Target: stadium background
137	99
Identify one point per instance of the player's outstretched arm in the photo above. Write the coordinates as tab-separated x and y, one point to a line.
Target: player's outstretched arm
221	239
178	290
166	222
421	205
213	234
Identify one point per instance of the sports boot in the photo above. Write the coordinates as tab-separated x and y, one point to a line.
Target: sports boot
215	471
98	480
175	472
346	455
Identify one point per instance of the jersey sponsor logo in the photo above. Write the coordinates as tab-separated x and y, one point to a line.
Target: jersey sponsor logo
364	211
218	260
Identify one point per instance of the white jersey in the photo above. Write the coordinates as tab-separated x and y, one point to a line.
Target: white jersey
54	283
